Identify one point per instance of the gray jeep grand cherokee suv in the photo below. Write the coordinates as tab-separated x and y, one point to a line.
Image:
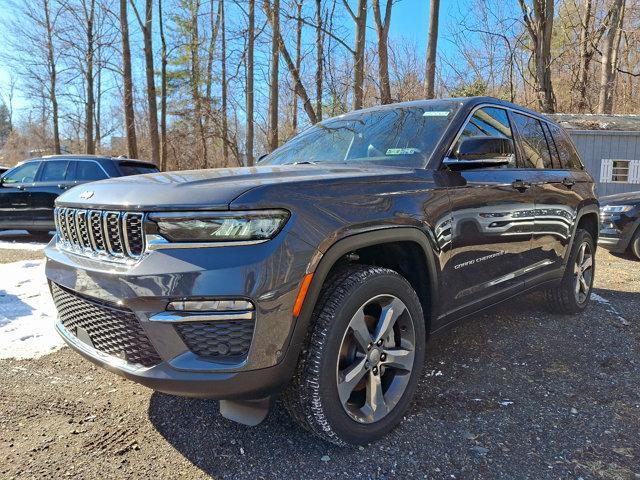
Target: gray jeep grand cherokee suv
320	273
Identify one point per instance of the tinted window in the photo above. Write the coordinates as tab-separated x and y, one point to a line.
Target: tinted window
555	157
567	152
87	171
397	136
490	122
137	168
54	171
534	144
23	174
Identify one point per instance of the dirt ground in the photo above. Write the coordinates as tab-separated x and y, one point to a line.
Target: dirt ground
515	393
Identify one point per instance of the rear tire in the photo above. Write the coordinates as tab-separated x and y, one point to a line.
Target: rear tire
572	294
363	358
634	245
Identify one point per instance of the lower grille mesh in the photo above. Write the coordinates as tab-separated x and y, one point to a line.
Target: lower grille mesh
112	330
218	340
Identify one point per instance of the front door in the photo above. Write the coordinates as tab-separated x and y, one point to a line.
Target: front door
492	213
15	196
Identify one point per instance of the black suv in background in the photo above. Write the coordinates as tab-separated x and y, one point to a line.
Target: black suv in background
321	272
620	223
29	190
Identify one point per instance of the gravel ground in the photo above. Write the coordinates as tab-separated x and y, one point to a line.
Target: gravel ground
515	393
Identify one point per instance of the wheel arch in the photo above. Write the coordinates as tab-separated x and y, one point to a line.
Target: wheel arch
322	266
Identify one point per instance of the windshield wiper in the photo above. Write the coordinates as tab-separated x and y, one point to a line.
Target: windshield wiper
306	162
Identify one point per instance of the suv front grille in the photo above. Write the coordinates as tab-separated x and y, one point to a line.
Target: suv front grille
219	340
118	235
114	331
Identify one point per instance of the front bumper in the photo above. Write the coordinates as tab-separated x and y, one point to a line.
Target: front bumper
616	231
267	274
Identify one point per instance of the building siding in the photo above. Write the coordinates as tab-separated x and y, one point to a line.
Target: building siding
596	145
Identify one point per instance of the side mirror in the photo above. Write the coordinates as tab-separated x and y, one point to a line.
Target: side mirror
479	152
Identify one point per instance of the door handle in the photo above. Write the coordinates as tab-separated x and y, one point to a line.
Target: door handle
568	182
521	185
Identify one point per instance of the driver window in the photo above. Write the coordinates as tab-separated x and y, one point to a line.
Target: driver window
490	122
23	174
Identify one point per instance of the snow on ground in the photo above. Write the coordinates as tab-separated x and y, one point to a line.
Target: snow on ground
27	312
19	240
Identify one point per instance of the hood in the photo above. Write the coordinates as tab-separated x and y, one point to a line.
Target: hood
212	189
629	198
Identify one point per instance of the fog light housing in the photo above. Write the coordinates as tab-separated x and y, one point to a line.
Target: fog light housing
220	305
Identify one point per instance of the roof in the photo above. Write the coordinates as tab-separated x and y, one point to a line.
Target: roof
588	121
90	157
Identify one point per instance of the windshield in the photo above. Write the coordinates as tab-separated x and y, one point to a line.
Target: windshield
401	137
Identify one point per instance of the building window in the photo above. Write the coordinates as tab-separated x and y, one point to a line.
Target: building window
620	171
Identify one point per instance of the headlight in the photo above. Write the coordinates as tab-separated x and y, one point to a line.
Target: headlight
616	208
219	226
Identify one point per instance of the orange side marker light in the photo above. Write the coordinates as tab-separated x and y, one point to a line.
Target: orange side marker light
302	293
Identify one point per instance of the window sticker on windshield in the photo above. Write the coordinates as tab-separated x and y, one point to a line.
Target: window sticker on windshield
436	113
402	151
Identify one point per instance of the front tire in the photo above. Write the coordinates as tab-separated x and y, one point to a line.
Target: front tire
634	245
572	294
360	368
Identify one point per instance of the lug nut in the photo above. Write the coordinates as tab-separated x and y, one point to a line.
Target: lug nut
375	370
379	343
367	365
369	346
383	357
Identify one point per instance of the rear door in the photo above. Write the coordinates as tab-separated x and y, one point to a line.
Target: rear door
555	198
15	196
492	213
54	178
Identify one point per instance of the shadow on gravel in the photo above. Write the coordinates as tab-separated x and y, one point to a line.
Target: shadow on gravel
11	307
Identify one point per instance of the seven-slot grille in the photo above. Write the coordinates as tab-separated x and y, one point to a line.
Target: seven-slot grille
117	234
112	330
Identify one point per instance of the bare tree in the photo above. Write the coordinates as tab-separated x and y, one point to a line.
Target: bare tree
432	48
273	13
250	80
539	25
89	13
223	79
163	90
610	52
147	34
294	109
319	59
129	116
382	27
360	20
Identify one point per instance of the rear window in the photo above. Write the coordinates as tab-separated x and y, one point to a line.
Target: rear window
54	171
533	142
132	168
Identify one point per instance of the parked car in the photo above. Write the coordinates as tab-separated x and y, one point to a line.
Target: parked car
620	223
320	273
28	191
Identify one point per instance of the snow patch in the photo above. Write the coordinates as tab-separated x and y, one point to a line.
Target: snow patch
27	312
610	308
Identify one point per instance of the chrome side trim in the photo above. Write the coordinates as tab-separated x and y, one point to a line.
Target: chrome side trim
182	317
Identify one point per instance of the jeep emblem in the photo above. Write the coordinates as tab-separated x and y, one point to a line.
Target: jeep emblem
86	195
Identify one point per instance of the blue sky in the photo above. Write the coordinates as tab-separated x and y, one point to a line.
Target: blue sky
409	21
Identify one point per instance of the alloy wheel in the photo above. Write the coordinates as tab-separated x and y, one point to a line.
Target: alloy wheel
376	358
583	272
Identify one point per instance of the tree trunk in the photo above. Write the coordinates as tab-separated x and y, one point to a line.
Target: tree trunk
319	59
52	81
274	16
358	57
129	115
585	56
223	60
98	99
382	27
202	155
294	109
163	92
610	58
89	145
432	49
151	84
250	82
540	29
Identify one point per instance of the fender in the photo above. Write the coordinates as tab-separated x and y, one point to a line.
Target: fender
321	266
584	210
